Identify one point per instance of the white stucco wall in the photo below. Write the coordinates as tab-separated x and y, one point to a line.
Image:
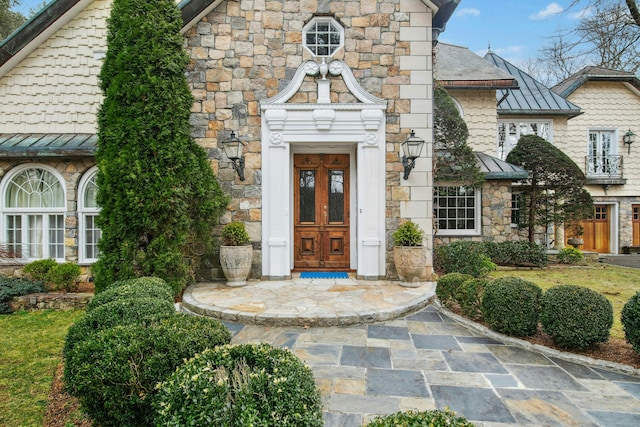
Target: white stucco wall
55	89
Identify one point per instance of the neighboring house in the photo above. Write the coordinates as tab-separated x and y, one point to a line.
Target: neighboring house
610	101
462	212
322	93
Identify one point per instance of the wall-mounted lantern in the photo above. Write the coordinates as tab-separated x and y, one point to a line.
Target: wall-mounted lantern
411	150
234	149
629	138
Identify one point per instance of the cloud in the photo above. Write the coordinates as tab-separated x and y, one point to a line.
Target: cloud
582	14
470	11
550	11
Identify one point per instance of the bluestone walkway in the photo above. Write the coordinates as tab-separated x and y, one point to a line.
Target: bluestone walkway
428	358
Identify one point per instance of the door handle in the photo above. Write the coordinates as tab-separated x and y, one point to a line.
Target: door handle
324	211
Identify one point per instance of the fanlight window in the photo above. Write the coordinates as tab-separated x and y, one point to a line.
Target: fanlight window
323	36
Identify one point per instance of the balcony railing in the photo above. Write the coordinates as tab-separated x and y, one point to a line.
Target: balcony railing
604	167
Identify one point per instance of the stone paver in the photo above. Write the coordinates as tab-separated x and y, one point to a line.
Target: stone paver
430	358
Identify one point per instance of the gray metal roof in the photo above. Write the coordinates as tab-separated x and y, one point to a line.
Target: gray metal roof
532	97
458	67
573	82
48	145
496	169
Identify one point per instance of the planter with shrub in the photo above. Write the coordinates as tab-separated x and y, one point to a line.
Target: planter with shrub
511	306
575	317
236	254
114	372
244	385
410	255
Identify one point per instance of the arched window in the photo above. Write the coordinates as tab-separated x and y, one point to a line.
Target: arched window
88	210
33	202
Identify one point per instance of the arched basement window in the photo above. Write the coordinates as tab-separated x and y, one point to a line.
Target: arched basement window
88	211
33	214
323	36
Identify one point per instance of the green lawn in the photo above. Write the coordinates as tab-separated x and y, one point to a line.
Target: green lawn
616	283
30	349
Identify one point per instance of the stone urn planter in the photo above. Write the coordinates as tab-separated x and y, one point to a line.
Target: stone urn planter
410	256
236	254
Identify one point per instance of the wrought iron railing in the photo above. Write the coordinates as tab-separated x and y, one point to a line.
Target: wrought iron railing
604	166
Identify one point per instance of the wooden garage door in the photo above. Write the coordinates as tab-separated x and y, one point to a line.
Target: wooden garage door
597	232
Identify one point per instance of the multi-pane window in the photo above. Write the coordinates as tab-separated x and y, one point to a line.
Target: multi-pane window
88	211
601	159
457	210
509	132
323	36
33	213
517	206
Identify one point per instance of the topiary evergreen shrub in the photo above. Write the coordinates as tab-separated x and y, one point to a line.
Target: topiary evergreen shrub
630	318
511	306
448	285
158	195
12	287
114	373
143	287
433	418
244	385
463	256
119	312
575	317
469	296
516	253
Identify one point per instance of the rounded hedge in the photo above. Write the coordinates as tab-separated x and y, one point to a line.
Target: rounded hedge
631	321
511	306
447	286
575	317
433	418
114	373
249	384
123	311
463	256
143	287
469	297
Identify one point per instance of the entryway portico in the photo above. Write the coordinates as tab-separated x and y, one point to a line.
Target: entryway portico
355	127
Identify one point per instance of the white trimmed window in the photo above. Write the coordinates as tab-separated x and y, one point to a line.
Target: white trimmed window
88	210
323	36
457	210
33	211
602	159
509	132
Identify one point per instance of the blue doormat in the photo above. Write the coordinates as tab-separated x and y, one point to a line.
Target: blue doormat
324	275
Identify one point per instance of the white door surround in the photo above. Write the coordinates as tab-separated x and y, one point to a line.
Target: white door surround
289	127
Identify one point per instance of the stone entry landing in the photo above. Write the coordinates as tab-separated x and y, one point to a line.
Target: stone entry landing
307	302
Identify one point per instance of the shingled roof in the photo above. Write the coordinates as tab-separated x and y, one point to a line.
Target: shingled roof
532	97
592	73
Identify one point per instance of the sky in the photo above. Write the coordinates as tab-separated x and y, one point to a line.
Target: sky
515	29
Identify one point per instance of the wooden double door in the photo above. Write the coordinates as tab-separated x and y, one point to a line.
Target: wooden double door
321	211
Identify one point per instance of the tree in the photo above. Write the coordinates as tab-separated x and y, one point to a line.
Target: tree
157	191
632	6
607	36
454	159
9	20
554	191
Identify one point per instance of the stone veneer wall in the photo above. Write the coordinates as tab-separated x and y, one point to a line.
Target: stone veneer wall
246	51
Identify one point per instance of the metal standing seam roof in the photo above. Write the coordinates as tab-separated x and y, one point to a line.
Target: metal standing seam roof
496	169
48	145
532	97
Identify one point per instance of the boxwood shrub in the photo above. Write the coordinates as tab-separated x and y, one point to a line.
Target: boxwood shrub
433	418
12	287
519	252
249	384
469	297
38	269
463	256
631	321
570	256
511	306
142	287
447	286
575	317
119	312
114	372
